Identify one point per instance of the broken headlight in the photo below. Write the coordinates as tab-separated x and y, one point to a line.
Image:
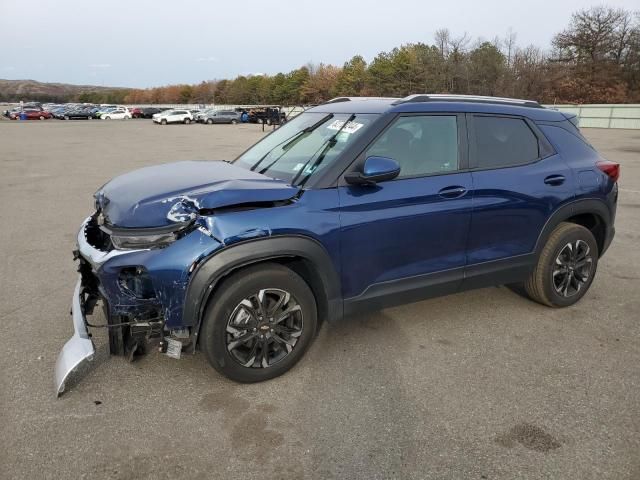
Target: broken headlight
153	240
144	238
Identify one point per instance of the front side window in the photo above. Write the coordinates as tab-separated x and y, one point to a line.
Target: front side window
503	142
304	146
421	144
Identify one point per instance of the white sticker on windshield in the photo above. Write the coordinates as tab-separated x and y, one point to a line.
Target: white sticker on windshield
350	127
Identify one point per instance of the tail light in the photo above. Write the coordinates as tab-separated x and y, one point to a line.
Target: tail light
611	169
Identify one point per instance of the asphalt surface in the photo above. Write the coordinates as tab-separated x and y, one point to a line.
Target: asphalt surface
479	385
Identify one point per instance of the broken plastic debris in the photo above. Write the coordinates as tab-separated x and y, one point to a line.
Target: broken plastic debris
174	348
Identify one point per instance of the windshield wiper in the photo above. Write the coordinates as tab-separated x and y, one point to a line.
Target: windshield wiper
290	142
329	144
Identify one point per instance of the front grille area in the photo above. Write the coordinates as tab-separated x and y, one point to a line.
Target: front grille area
96	237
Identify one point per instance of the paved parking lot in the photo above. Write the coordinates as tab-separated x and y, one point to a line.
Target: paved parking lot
479	385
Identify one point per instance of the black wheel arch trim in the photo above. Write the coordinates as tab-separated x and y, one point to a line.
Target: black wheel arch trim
221	263
576	207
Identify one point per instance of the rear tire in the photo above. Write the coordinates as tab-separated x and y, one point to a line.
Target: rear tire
259	323
566	267
41	117
234	121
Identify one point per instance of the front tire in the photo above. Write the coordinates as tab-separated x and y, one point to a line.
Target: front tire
566	267
187	121
163	121
259	323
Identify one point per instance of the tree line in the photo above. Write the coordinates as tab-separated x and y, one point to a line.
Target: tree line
595	59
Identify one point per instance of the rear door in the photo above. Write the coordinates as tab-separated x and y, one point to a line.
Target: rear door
404	239
518	181
177	116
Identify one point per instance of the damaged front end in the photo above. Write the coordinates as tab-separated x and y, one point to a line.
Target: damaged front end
138	251
140	286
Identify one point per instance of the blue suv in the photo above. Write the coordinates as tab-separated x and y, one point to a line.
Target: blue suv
356	204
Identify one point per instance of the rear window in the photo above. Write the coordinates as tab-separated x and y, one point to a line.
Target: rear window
503	142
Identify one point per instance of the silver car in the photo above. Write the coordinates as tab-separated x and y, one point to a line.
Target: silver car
221	116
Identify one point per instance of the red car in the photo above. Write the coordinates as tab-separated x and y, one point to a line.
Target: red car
136	112
31	114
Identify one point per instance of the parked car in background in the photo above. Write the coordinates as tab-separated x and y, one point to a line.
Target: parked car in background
76	112
7	113
267	115
99	111
58	111
30	114
136	112
119	113
201	116
173	116
221	116
149	112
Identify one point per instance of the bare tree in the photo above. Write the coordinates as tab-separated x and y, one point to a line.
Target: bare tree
509	43
443	39
594	35
459	44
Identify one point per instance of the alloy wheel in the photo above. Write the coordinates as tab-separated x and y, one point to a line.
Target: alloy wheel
572	268
264	328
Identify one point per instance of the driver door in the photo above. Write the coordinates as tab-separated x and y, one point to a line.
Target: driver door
405	239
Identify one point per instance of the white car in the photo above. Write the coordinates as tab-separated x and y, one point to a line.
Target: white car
173	116
120	113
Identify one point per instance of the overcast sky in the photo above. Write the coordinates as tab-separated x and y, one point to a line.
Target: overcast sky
141	43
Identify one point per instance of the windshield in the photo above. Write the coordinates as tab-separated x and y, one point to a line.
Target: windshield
305	145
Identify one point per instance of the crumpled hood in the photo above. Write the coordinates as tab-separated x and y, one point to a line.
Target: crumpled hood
161	195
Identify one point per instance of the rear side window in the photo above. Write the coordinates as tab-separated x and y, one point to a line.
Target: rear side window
503	142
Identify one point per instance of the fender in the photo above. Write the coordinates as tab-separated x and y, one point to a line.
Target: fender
211	270
588	205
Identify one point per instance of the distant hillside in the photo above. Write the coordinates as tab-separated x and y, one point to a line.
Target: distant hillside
30	90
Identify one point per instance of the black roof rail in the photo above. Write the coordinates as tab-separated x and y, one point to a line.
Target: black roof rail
444	97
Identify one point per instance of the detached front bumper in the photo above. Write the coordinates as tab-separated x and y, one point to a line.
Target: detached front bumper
142	292
79	349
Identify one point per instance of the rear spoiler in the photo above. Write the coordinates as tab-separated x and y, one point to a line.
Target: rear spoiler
572	117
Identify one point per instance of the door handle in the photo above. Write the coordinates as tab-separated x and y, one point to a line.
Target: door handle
452	192
554	180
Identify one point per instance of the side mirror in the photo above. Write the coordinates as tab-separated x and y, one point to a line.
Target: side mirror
376	169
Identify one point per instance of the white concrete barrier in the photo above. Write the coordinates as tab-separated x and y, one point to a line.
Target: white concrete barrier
604	115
